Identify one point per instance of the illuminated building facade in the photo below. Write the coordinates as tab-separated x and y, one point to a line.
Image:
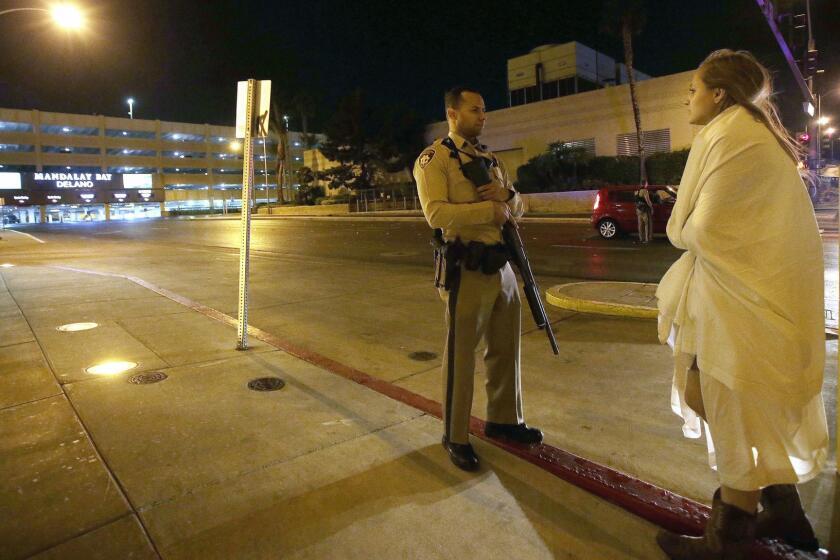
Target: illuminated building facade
187	166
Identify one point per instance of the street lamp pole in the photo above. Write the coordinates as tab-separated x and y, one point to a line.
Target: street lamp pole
130	101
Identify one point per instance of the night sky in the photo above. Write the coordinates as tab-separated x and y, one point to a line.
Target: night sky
180	60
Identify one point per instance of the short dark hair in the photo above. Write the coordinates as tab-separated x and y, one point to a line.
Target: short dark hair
452	98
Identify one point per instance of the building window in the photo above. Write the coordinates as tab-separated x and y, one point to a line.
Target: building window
69	150
229	171
6	126
177	154
16	148
129	133
71	169
12	168
132	169
130	152
585	85
550	90
182	137
532	94
517	97
654	141
566	86
586	144
195	170
67	130
217	155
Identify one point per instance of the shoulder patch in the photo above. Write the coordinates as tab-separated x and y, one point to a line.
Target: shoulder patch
426	157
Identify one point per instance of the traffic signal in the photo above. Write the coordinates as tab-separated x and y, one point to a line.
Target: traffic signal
810	63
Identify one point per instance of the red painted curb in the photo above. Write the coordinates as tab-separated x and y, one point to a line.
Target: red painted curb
657	505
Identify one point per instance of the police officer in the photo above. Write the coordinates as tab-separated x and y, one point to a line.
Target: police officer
644	214
482	303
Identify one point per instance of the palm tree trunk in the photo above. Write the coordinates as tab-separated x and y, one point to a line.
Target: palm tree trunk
631	76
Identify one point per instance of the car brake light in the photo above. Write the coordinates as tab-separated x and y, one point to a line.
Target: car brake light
597	201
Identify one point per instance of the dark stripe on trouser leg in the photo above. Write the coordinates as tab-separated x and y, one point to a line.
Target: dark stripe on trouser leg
450	352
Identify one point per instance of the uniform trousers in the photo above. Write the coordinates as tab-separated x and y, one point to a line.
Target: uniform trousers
643	218
481	306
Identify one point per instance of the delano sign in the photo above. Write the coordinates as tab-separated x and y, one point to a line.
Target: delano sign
74	180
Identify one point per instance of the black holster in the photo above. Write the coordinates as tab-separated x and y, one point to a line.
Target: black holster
489	259
448	258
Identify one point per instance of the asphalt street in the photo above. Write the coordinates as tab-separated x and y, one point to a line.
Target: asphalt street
554	249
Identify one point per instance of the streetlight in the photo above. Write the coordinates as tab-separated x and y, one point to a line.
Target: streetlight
822	121
64	15
130	102
67	16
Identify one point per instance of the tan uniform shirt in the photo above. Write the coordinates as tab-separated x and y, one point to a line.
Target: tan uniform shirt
451	202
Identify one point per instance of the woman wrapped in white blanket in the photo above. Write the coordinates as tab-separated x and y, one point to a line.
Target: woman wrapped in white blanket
742	310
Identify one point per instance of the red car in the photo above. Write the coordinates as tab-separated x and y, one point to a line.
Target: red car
614	212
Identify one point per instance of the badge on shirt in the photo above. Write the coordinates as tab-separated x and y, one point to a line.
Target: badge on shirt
426	157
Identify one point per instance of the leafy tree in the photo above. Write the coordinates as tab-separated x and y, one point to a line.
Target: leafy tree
624	19
400	139
348	142
555	170
558	170
367	143
309	191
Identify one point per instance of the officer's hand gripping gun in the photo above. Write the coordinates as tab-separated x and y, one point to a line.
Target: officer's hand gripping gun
476	171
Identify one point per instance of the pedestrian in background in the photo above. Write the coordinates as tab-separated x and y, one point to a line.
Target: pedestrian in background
743	310
644	214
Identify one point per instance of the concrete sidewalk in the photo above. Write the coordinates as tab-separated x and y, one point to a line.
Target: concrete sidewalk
196	465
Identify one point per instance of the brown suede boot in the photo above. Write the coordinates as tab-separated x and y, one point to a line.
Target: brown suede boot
728	534
783	518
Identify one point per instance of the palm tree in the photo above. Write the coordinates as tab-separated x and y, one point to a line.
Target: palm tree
281	134
624	19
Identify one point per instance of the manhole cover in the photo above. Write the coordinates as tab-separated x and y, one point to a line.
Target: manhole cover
422	356
147	378
266	384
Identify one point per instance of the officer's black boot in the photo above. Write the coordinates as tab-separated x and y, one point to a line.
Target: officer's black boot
728	535
520	433
783	518
461	455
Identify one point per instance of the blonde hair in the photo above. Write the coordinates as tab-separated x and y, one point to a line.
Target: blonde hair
747	83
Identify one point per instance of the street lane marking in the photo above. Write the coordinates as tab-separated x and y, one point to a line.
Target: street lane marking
26	234
599	247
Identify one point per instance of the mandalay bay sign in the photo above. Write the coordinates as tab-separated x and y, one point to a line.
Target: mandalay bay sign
78	188
74	180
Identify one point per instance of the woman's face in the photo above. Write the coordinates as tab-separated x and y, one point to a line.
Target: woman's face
703	103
